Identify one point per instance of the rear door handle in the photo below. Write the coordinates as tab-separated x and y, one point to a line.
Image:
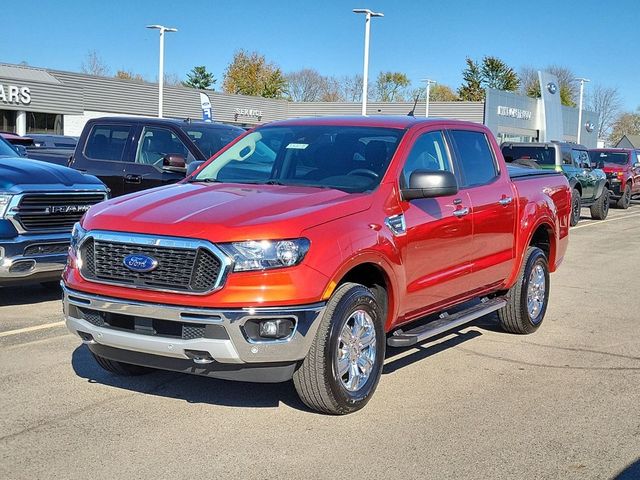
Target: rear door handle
461	212
133	178
504	201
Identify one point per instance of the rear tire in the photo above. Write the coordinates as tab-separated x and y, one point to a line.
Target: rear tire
600	209
527	300
121	368
335	348
624	201
576	207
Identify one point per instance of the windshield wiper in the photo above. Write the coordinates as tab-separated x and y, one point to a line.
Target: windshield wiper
204	180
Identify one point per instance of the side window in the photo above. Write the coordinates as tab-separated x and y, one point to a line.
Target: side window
580	158
474	154
429	152
156	142
107	142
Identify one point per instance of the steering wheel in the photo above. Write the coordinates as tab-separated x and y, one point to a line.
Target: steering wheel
364	171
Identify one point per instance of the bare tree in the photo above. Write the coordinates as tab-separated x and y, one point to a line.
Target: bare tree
94	65
626	123
607	102
306	85
172	80
129	75
333	91
351	87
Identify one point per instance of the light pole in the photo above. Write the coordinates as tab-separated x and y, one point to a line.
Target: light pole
162	29
365	74
582	82
426	103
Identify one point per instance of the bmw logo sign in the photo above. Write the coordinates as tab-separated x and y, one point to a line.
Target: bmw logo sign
589	126
137	262
552	87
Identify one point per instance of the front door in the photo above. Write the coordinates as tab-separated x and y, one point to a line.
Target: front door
146	171
493	203
436	255
582	166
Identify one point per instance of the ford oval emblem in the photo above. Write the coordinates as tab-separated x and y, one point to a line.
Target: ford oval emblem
552	87
589	126
137	262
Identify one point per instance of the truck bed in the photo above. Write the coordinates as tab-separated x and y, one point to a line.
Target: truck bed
516	173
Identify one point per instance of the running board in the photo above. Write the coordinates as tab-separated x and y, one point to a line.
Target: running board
445	323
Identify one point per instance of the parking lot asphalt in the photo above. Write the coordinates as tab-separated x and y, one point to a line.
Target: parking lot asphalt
561	403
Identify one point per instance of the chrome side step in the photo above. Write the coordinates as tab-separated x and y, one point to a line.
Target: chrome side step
445	323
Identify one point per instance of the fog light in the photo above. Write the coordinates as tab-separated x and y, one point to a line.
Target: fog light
276	328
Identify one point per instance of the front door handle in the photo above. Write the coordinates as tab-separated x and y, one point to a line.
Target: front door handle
504	201
461	212
133	178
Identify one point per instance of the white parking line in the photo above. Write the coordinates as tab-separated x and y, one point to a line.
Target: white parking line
30	329
600	222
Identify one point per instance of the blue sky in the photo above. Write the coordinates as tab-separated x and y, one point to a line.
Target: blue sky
598	40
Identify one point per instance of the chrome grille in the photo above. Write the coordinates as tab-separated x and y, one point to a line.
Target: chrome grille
54	211
47	249
191	270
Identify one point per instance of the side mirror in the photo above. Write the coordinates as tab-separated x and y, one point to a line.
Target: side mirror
600	164
174	162
20	150
636	165
192	167
430	184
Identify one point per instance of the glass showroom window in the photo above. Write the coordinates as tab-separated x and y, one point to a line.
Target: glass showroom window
7	121
45	123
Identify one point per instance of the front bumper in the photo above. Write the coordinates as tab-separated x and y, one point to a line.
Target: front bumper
139	331
615	186
26	258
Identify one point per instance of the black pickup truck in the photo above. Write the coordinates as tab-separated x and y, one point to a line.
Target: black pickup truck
39	204
134	153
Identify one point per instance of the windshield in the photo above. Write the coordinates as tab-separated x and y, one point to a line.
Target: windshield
540	155
210	139
352	159
619	158
6	150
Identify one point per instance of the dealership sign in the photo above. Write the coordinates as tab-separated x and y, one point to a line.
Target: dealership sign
514	113
248	112
14	94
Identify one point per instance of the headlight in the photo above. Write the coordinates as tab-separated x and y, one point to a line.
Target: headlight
265	254
77	234
4	204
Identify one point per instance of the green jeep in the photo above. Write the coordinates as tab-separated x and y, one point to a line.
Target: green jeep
589	183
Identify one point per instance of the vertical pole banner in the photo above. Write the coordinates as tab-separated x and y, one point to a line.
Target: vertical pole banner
207	110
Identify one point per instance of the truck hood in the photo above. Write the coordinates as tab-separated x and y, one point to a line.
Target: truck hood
224	212
19	175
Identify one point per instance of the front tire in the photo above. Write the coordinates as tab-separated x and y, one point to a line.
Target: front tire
624	201
120	368
600	209
527	300
343	366
576	207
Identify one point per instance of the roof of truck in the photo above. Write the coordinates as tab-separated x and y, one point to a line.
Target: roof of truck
388	121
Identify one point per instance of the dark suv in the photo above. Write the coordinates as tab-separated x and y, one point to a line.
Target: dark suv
134	153
589	184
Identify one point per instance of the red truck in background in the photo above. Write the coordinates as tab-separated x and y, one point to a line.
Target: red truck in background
306	247
622	167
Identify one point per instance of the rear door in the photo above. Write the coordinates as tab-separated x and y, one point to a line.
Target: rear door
438	232
153	145
491	194
584	173
105	154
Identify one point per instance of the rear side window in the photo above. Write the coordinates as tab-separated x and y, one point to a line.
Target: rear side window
475	157
107	142
540	155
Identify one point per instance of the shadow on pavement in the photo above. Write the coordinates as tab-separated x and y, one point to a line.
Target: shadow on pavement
29	294
190	388
632	472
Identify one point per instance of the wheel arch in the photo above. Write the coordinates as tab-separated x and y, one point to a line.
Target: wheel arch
373	273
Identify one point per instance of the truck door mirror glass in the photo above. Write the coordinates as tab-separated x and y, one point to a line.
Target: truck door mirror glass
430	184
599	164
174	162
192	167
20	150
